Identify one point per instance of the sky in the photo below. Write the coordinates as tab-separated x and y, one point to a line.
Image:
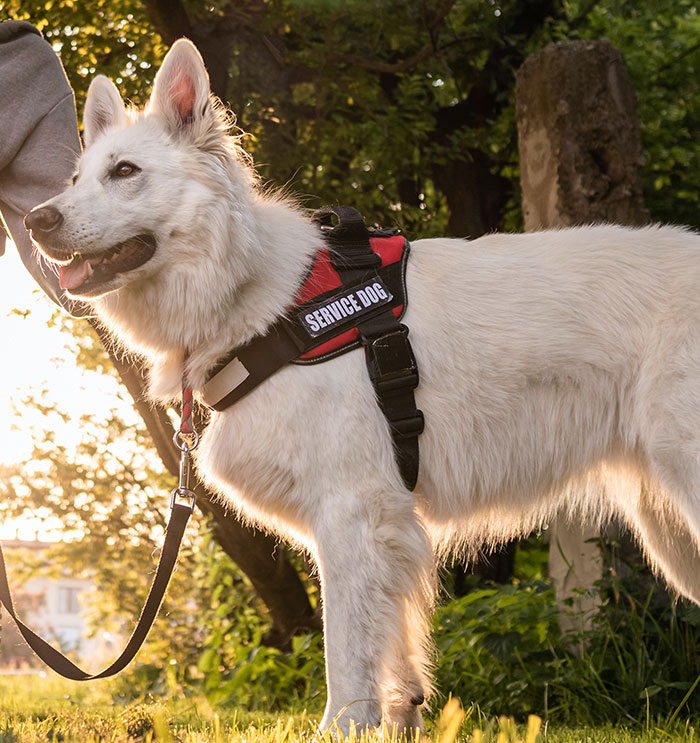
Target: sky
36	359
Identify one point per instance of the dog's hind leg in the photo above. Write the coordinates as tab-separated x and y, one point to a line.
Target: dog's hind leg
662	437
377	575
664	510
670	536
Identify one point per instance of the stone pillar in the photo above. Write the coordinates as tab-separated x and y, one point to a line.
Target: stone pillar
580	162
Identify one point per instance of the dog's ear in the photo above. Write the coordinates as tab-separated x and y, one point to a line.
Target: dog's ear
181	89
104	109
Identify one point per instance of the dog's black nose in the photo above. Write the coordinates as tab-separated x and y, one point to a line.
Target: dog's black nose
43	219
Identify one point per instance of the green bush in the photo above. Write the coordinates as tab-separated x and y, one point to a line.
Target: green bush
264	678
494	646
227	657
501	648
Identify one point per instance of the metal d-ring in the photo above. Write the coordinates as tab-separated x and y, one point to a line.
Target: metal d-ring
181	442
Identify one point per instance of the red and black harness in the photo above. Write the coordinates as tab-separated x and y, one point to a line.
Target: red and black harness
354	295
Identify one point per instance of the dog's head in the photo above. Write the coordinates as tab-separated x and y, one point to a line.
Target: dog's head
142	183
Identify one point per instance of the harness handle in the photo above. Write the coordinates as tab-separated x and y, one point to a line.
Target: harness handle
348	240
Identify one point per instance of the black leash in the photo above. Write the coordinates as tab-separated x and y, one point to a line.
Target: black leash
181	507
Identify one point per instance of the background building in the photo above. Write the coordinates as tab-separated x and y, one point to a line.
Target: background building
52	607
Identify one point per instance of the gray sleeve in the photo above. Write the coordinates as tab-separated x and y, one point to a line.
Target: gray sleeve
39	143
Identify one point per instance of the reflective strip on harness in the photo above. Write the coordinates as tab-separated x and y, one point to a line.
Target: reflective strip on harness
229	378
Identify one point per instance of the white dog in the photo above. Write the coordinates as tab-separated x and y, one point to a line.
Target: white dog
558	370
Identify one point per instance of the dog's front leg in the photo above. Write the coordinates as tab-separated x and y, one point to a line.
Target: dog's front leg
377	575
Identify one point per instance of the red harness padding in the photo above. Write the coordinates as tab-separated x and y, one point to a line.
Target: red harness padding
324	278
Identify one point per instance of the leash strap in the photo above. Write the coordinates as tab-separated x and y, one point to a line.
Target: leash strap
57	661
181	506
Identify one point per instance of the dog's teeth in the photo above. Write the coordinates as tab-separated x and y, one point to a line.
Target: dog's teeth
89	268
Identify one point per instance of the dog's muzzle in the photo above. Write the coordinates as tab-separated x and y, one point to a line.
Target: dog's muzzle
86	273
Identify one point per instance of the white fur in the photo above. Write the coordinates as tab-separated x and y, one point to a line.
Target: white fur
558	370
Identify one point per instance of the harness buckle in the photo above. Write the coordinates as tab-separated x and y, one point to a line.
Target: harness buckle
391	361
406	428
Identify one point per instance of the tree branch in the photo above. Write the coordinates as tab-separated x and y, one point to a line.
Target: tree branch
389	68
169	18
395	68
675	60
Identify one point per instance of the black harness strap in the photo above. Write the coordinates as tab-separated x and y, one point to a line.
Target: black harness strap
57	661
390	361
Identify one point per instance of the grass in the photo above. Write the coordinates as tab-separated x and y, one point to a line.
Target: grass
36	709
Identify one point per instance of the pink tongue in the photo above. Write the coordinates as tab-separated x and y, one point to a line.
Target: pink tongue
72	275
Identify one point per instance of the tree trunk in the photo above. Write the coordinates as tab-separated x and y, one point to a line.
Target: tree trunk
475	196
580	143
580	162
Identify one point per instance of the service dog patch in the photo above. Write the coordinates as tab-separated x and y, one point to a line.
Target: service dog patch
344	306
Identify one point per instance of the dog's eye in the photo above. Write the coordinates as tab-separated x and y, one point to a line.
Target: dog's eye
124	169
75	178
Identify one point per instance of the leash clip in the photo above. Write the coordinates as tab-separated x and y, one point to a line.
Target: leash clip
182	495
186	439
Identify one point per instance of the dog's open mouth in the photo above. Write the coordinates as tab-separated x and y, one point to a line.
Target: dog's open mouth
88	274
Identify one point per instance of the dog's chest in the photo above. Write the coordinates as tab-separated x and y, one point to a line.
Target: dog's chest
303	433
